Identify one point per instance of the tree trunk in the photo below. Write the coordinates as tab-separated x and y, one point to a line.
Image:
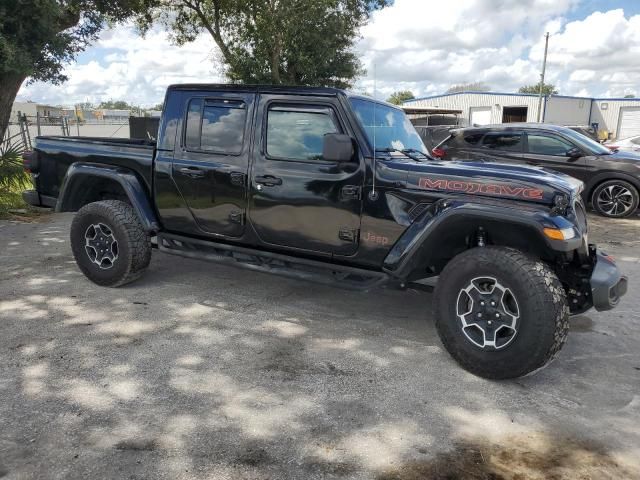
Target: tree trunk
275	60
9	86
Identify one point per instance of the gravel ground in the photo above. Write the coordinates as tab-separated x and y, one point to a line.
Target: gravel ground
201	371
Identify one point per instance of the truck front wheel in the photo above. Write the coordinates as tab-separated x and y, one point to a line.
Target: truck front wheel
500	313
109	243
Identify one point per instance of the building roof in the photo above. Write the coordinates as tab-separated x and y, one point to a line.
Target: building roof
409	109
519	95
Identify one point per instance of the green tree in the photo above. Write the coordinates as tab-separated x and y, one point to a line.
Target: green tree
295	42
37	37
398	98
469	87
117	105
85	106
547	89
629	95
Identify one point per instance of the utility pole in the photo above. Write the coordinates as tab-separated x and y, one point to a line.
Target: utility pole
544	68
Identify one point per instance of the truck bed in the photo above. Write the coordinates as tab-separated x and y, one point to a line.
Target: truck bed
56	153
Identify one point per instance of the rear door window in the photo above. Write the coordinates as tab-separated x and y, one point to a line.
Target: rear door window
540	144
215	125
464	140
504	141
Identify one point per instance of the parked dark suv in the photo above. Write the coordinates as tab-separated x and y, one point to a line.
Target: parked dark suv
612	179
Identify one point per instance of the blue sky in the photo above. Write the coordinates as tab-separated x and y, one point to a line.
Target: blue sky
422	46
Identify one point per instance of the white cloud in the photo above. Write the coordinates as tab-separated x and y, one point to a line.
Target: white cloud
582	76
132	68
597	55
428	46
414	44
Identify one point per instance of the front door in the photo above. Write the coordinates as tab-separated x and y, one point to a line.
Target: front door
211	161
550	151
298	199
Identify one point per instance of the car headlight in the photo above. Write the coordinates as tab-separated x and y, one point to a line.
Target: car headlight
560	233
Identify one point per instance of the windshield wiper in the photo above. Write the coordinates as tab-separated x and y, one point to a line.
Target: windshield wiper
407	152
413	150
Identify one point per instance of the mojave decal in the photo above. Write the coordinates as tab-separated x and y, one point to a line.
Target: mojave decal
497	189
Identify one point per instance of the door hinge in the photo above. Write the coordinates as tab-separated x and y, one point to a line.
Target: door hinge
348	235
350	192
237	217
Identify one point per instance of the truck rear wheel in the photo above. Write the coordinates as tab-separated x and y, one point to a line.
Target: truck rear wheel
109	243
499	313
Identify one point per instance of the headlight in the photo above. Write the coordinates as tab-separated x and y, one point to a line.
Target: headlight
560	233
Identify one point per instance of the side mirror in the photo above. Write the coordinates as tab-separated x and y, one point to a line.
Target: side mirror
337	147
574	152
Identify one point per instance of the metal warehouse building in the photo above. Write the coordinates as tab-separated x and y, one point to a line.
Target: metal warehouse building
618	116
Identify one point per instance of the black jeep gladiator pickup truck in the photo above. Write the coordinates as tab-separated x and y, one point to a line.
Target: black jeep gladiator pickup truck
320	184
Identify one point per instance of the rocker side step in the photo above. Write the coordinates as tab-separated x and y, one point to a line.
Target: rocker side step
274	263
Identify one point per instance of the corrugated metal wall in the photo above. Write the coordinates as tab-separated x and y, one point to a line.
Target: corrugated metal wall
607	113
467	101
558	109
567	110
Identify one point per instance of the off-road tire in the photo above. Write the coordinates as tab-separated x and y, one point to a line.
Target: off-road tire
544	314
133	242
617	183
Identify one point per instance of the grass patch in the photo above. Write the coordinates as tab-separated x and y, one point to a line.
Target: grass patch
13	181
12	207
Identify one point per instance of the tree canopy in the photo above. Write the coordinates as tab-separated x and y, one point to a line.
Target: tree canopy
547	89
469	87
116	105
38	37
398	98
294	42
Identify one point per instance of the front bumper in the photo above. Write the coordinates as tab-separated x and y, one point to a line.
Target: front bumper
608	284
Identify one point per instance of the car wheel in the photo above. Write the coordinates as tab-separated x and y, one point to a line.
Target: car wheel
499	313
109	243
615	198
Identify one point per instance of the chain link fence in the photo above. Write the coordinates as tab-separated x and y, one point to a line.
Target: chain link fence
24	128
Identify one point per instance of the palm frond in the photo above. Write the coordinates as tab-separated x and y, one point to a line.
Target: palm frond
12	174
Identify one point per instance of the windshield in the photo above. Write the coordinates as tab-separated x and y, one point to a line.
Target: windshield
391	127
594	147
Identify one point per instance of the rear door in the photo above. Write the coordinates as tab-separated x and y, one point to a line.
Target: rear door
211	160
461	145
505	146
546	149
298	199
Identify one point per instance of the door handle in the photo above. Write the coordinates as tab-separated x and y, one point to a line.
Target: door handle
192	172
268	180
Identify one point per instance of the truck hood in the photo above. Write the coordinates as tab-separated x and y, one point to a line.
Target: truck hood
533	184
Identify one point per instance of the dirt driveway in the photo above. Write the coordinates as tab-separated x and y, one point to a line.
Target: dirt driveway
201	371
